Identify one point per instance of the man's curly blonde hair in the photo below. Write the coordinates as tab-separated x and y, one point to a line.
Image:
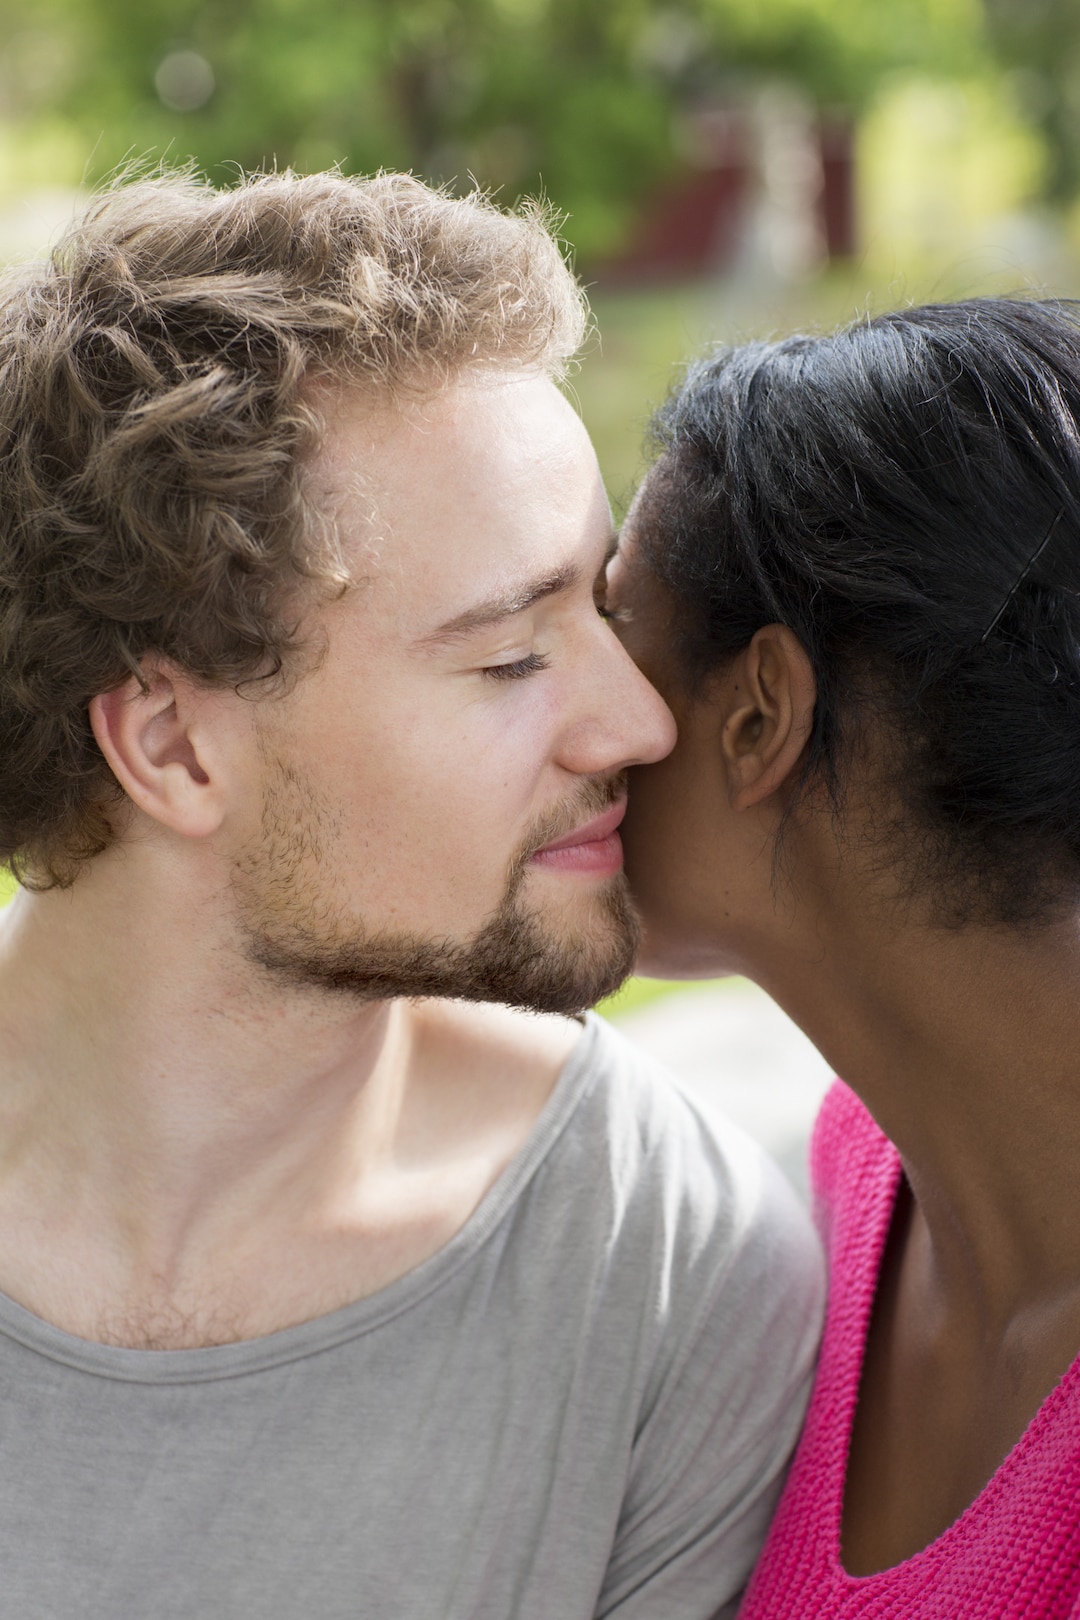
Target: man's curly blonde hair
155	419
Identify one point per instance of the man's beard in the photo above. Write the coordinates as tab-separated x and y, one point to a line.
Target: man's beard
293	929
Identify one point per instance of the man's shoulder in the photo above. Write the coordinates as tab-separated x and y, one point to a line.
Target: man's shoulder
620	1155
677	1166
634	1126
623	1162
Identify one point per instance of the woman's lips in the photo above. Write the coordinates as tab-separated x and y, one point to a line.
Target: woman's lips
595	847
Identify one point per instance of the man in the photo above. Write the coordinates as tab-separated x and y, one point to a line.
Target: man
330	1291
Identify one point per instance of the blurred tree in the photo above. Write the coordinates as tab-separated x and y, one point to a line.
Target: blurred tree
574	97
1038	42
839	49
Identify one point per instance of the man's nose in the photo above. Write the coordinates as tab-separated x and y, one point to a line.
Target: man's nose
625	722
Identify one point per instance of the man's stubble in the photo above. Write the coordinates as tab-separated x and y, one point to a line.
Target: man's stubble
294	928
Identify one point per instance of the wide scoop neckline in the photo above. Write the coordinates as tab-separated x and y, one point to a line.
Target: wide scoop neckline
1015	1458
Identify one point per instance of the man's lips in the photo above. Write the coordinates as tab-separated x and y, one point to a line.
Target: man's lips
594	846
590	831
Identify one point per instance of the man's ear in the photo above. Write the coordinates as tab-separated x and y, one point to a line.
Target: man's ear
771	693
157	737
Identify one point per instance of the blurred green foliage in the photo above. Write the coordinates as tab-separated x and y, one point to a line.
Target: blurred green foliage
1038	45
572	97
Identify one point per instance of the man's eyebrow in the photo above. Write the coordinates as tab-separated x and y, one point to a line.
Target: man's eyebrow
503	605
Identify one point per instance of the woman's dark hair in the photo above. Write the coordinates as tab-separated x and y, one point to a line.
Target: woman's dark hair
905	495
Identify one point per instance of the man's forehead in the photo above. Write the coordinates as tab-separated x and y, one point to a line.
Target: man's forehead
354	419
463	504
351	412
341	475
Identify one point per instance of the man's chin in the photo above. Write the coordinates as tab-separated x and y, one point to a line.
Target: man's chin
523	956
564	954
560	958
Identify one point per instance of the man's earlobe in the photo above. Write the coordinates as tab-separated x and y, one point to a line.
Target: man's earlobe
771	717
155	743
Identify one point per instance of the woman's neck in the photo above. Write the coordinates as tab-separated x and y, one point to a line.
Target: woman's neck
964	1043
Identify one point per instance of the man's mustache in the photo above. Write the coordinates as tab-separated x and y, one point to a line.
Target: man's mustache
592	799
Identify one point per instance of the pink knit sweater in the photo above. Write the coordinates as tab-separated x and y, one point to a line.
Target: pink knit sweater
1015	1551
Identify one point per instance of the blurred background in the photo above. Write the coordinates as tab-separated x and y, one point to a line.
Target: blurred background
723	168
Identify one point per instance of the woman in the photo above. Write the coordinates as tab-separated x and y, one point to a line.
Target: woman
854	573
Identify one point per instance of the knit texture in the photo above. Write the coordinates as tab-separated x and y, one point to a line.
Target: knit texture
1015	1551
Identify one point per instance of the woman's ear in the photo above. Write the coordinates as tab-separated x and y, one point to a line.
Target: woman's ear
771	692
157	736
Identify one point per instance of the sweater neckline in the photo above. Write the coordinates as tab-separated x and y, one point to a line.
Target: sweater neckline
876	1233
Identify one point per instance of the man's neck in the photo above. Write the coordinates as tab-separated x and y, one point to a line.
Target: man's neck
188	1153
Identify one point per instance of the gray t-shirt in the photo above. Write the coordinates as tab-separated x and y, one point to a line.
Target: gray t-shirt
581	1406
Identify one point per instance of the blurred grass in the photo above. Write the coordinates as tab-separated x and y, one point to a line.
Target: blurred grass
637	993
